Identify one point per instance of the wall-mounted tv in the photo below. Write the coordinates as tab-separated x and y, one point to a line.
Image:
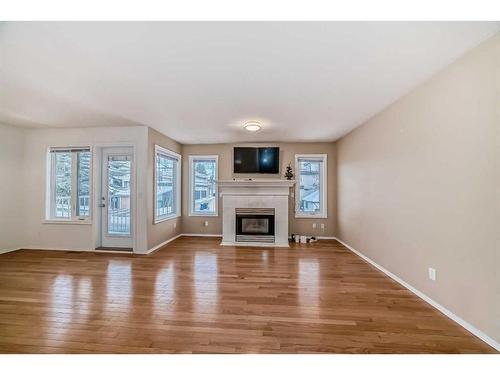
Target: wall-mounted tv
256	160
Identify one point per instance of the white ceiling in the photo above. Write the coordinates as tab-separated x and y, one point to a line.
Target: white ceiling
198	82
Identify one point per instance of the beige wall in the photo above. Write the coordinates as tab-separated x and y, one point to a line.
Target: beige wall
41	234
12	207
193	224
419	187
28	181
161	232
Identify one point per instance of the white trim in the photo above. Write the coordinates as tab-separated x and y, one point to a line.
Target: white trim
66	221
154	248
76	250
190	192
117	239
110	251
166	218
49	216
469	327
252	244
5	251
97	192
178	187
323	214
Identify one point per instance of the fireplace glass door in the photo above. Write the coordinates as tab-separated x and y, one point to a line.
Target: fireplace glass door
256	227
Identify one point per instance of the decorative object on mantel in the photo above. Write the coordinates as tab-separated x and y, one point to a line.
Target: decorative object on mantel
289	173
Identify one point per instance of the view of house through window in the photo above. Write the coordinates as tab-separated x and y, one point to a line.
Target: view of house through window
62	189
167	184
119	171
311	183
83	188
66	191
203	178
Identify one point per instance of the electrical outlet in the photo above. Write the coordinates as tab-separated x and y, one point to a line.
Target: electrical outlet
432	274
205	223
323	226
314	225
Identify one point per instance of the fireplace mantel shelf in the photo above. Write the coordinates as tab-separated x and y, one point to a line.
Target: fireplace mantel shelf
256	183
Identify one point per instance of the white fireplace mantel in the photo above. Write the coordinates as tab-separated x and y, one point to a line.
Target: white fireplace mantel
254	193
255	187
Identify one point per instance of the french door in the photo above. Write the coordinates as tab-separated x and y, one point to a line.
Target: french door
116	197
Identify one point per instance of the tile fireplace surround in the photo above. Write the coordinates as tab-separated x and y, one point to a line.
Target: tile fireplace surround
256	193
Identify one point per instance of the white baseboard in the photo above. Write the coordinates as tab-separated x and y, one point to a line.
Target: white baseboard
110	251
252	244
4	251
52	249
469	327
163	244
74	250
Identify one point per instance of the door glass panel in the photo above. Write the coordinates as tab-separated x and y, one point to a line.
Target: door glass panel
119	194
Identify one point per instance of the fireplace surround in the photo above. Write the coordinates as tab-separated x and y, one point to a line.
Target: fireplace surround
264	202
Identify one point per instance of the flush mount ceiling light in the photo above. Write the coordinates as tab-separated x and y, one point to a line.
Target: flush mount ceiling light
252	126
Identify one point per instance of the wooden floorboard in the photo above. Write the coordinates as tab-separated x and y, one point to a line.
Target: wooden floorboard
194	296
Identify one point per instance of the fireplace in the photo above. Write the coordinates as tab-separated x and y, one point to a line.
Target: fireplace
266	199
255	225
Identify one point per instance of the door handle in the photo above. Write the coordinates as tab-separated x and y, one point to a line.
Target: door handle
101	205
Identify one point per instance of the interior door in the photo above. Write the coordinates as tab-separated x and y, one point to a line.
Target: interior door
116	197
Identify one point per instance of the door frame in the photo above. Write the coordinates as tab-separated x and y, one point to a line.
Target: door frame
97	165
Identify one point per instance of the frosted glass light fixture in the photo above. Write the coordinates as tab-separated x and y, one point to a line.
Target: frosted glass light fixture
252	126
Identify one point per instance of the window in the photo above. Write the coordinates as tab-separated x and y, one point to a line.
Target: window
167	184
311	186
68	184
202	185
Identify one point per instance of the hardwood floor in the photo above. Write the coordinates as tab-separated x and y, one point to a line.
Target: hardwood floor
195	296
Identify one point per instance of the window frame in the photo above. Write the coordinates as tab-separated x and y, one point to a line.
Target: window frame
49	216
191	212
323	213
171	154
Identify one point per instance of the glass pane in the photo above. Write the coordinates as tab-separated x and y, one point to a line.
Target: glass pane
62	185
83	190
166	170
310	184
249	225
119	195
204	186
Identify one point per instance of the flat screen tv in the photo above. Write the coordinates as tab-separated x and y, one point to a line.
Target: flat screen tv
256	160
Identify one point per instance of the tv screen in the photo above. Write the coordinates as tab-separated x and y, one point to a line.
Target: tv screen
256	160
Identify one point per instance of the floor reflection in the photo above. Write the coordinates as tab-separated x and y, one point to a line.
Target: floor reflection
61	307
265	257
309	286
84	296
205	283
164	294
118	285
